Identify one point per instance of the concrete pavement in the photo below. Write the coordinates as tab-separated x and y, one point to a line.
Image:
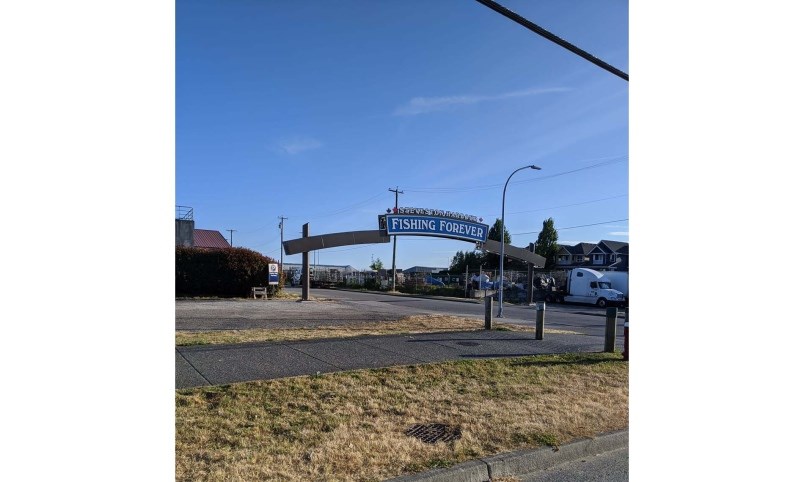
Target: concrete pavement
225	364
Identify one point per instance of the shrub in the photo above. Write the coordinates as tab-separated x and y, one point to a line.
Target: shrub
228	272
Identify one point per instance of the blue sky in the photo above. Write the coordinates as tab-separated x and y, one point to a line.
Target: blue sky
313	110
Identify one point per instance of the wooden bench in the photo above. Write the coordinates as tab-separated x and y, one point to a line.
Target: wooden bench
259	290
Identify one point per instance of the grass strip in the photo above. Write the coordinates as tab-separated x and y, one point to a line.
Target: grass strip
407	325
350	425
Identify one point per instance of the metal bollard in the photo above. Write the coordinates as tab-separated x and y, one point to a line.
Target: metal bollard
489	309
625	335
611	329
540	309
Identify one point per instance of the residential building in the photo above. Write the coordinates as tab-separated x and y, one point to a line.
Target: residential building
604	256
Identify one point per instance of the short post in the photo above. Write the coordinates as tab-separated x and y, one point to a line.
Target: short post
466	283
611	329
540	307
489	306
305	266
625	335
531	248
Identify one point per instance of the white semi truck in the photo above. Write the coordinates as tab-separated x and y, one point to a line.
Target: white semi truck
587	286
619	281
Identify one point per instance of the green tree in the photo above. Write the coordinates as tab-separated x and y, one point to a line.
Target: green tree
462	259
492	259
376	264
547	243
494	232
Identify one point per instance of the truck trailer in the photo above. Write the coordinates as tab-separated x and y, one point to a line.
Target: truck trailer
619	281
587	286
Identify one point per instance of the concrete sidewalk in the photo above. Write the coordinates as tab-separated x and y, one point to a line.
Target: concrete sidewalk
225	364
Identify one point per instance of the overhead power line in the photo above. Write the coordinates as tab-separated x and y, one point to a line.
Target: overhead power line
447	190
573	227
570	205
553	38
593	224
339	211
347	208
267	242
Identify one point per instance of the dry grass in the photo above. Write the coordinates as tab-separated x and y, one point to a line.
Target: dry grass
284	295
410	324
350	425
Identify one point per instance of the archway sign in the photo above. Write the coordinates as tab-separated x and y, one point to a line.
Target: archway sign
407	222
415	222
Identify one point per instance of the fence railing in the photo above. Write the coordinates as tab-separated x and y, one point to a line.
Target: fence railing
184	213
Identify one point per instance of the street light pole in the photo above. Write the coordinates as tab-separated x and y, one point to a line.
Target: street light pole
502	238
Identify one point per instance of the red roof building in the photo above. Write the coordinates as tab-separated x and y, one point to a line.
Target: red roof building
209	239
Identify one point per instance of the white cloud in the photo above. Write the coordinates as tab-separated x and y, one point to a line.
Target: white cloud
618	233
299	144
422	105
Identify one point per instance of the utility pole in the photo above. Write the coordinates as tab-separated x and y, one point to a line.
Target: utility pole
230	237
281	240
306	266
396	192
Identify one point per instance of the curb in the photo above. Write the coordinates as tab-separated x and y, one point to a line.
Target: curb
522	462
474	471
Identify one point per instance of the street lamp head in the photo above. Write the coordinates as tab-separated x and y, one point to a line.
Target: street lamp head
536	167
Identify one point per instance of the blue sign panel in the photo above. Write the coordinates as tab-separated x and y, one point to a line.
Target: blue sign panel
273	274
400	224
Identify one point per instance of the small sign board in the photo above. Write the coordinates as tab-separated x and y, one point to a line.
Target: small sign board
273	274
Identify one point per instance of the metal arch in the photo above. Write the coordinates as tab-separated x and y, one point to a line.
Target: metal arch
333	240
375	236
514	252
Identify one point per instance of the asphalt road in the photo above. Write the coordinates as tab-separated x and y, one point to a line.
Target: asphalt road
342	307
334	307
606	467
589	320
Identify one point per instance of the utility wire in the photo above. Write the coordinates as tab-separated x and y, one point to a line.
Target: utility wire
593	224
267	242
553	38
573	227
339	211
570	205
348	208
446	190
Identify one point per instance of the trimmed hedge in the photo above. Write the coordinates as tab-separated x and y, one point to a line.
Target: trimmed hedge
222	272
433	290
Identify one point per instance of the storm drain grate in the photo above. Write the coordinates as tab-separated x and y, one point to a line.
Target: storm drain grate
434	432
467	343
